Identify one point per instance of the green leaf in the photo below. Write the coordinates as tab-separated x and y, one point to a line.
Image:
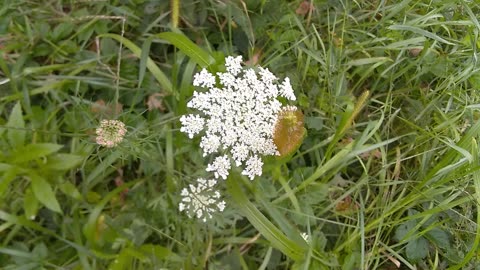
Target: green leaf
4	167
441	67
46	69
42	28
62	30
352	261
368	61
403	229
239	15
135	253
420	31
16	253
450	157
34	151
22	221
439	237
285	225
160	253
122	261
93	197
335	162
44	193
476	180
351	112
315	194
40	90
184	44
62	162
9	175
474	79
276	238
40	251
156	72
89	228
16	127
102	168
69	189
417	249
314	123
143	60
30	204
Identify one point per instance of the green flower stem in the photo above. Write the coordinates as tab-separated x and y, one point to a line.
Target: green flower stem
276	237
277	174
175	7
339	158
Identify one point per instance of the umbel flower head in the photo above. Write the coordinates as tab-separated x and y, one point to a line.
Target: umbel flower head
110	133
237	114
201	200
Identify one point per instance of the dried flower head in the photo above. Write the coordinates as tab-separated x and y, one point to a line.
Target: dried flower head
110	133
289	130
238	117
201	200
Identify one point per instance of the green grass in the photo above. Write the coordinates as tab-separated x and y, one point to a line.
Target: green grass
387	177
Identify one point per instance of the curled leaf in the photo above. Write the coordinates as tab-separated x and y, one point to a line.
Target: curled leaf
255	59
103	109
304	8
155	102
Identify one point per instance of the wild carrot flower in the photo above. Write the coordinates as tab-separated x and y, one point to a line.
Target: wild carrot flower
110	133
201	200
305	237
237	114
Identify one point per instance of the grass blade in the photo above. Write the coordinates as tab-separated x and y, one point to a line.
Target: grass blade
261	223
202	57
156	72
420	31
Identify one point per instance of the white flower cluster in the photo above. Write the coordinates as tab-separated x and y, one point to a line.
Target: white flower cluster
110	133
305	237
239	118
201	200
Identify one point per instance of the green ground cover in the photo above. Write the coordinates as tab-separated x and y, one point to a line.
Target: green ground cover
386	175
